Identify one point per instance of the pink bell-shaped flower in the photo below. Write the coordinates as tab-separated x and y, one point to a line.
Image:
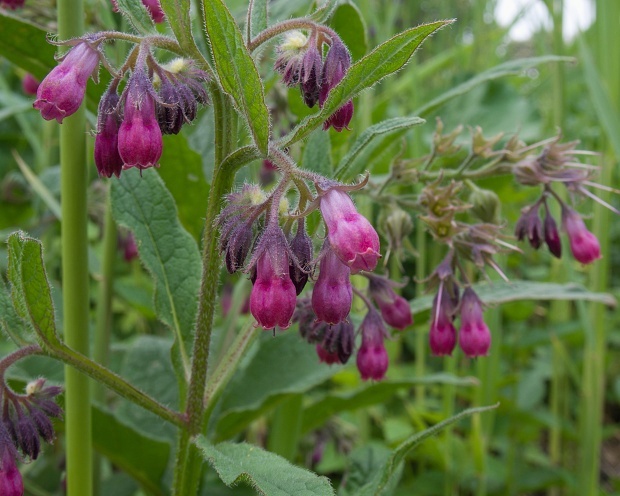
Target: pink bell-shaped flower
332	294
372	358
584	245
442	335
474	335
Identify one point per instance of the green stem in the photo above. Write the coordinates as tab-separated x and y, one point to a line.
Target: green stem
75	275
104	320
187	468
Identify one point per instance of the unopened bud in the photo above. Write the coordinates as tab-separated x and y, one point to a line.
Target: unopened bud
485	205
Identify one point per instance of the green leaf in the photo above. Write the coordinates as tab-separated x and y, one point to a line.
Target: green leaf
384	60
324	12
317	154
511	68
384	478
144	205
502	292
137	14
236	70
279	368
348	22
331	404
30	287
147	366
257	18
355	157
138	454
267	473
178	16
10	322
26	45
181	170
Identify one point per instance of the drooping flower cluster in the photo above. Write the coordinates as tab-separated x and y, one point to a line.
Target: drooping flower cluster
26	419
156	100
300	62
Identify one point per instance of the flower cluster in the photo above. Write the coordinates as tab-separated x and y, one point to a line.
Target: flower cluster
300	62
156	100
25	420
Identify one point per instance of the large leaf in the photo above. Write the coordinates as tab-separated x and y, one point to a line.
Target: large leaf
511	68
384	478
279	368
137	454
26	45
236	70
384	60
30	288
318	412
144	205
178	16
182	172
137	15
503	292
268	473
354	161
317	154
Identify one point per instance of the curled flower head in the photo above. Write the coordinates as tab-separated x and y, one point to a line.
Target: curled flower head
351	236
61	93
372	358
332	294
474	335
583	244
290	57
139	137
272	301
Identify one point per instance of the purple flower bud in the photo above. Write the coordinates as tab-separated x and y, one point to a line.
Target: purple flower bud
301	248
155	10
341	118
310	76
332	294
395	309
337	63
43	424
584	245
338	343
530	226
48	406
350	234
272	301
474	335
130	248
237	246
325	356
11	5
169	113
30	84
372	358
139	137
28	437
107	157
61	93
552	236
11	483
442	335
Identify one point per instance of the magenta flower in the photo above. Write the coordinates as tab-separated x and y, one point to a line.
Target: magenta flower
139	137
332	294
395	309
552	236
442	335
301	248
325	356
30	84
584	245
272	301
372	358
61	93
529	226
351	236
152	6
337	63
107	157
474	335
11	5
11	483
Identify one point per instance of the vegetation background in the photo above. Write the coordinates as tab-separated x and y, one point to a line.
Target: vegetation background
554	367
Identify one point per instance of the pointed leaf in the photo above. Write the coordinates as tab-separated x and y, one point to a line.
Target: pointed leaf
137	14
236	70
257	18
267	473
349	23
384	60
178	16
354	158
144	205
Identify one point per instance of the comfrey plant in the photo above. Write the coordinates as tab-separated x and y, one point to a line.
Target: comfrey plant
313	257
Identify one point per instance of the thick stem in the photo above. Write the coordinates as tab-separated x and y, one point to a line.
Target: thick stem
187	469
75	274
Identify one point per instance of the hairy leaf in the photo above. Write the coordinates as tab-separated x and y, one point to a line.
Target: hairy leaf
236	70
354	159
257	18
10	322
267	473
178	16
348	22
317	154
144	205
384	60
137	14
